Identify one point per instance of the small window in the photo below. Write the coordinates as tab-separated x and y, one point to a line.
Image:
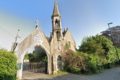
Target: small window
57	23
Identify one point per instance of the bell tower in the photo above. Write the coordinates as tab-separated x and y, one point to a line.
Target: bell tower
56	22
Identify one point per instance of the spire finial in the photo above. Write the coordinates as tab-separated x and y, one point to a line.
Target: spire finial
55	1
15	43
37	23
56	9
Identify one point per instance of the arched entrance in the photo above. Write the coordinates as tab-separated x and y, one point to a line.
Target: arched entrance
33	66
60	63
37	37
36	61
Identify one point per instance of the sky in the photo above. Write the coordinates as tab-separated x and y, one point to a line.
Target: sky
83	17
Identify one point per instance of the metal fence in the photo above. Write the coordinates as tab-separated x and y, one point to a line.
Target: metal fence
39	67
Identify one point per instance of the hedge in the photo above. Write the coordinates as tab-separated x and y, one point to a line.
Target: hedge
7	65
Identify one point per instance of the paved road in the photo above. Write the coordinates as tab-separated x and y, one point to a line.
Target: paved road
110	74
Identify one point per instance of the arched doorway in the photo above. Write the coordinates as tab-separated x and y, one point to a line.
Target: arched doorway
35	64
37	37
36	61
60	63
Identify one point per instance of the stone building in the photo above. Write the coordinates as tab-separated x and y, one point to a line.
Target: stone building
54	46
114	34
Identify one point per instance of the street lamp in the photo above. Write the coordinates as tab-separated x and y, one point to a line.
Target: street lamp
110	32
109	24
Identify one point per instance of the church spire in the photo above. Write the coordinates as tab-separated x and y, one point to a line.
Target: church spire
56	22
56	10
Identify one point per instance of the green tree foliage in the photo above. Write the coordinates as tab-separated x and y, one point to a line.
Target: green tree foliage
7	65
100	53
96	45
95	54
38	55
94	63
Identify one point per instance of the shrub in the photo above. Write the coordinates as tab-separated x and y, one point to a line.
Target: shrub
73	62
7	65
94	64
100	53
95	54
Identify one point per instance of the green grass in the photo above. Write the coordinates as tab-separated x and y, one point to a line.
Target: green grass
59	73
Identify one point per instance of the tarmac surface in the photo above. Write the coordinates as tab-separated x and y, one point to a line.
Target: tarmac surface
109	74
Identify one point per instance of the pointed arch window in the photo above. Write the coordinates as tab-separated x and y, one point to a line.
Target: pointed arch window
57	23
60	63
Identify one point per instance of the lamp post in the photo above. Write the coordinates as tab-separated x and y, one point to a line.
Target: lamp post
113	40
109	24
110	32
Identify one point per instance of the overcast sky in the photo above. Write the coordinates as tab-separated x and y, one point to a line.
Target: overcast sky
82	17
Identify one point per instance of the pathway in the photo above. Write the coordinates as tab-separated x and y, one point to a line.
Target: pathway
109	74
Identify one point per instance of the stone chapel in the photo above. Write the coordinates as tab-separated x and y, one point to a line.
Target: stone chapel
55	45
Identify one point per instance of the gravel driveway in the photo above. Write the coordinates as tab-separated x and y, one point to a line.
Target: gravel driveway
109	74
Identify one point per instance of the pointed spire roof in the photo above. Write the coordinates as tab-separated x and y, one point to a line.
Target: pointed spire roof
56	10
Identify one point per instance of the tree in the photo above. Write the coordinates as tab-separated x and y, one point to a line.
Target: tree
100	51
96	45
38	55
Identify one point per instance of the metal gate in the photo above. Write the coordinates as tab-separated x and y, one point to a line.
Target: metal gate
38	67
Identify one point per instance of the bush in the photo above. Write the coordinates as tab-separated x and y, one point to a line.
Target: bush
100	53
7	65
94	64
95	54
73	62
